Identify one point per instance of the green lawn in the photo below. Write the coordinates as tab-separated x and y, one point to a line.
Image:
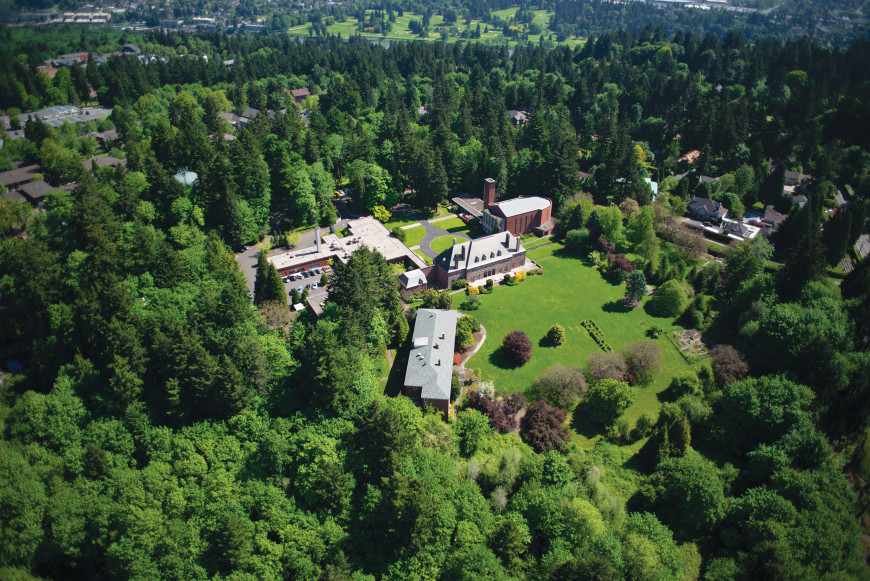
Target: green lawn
542	251
401	220
401	31
425	258
456	225
568	292
439	245
533	242
414	236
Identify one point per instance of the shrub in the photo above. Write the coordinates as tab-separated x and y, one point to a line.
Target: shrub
382	214
455	383
669	300
472	290
434	299
517	347
399	233
464	329
543	429
562	386
459	283
685	384
520	276
457	359
556	335
577	241
472	303
509	280
607	400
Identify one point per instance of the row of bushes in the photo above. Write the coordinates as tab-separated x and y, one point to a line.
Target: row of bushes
596	334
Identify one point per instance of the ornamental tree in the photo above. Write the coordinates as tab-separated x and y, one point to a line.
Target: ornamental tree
556	335
635	285
517	347
668	301
607	400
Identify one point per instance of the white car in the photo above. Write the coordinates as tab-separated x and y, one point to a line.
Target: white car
314	285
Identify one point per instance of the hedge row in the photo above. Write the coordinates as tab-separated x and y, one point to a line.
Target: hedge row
596	334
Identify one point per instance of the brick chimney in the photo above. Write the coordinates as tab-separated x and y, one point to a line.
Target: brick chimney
488	193
507	239
518	243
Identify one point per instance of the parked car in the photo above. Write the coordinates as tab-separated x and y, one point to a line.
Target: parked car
300	288
313	286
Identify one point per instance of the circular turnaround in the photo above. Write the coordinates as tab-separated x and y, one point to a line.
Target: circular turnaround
441	244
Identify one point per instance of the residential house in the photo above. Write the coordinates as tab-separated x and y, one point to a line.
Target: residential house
131	49
300	95
35	191
16	177
104	161
862	246
739	230
772	218
703	209
518	117
794	178
430	362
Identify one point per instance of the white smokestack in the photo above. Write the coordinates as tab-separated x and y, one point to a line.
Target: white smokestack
317	237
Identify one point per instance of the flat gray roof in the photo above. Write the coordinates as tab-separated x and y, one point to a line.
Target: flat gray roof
430	362
521	205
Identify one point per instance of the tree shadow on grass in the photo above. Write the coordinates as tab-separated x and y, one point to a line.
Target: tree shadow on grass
396	377
615	307
584	425
546	342
501	360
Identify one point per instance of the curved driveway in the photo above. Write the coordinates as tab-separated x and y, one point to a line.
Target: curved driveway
433	232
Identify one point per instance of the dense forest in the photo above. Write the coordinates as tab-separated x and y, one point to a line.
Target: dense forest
163	426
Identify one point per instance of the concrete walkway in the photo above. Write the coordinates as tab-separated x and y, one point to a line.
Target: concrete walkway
476	347
433	232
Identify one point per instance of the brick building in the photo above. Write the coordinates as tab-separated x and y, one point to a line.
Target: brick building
523	215
477	259
430	362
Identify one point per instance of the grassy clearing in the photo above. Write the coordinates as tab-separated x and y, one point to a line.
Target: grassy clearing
401	31
414	236
568	292
439	245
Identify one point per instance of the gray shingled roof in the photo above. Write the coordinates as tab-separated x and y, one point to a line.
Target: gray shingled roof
430	363
493	248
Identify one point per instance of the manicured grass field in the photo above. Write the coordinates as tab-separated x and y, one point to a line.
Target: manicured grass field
457	225
568	292
401	220
415	236
439	245
533	242
401	31
542	251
